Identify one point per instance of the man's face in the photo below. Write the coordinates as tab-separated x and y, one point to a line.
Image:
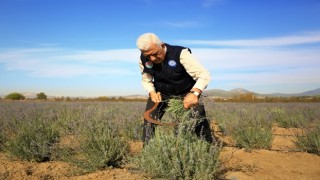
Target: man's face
156	53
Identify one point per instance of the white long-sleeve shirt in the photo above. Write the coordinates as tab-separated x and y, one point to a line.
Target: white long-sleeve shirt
190	63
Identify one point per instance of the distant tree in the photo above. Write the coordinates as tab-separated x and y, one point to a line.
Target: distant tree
15	96
42	96
103	98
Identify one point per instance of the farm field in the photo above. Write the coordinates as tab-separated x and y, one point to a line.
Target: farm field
282	158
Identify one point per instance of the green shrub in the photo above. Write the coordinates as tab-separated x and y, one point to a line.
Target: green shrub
15	96
310	141
42	96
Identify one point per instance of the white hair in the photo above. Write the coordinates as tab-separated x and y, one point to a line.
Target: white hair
145	40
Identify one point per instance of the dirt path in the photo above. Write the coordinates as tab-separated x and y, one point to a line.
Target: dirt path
278	163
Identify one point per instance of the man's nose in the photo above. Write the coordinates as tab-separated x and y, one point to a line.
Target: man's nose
152	58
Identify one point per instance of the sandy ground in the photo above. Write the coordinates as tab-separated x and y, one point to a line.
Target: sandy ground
281	162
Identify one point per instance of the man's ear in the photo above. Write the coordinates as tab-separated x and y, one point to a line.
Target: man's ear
162	45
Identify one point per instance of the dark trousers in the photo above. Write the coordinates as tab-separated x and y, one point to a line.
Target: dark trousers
202	129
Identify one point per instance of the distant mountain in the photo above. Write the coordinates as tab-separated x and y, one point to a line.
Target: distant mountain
311	93
239	90
217	93
315	92
227	94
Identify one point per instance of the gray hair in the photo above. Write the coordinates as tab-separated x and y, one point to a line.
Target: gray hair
145	40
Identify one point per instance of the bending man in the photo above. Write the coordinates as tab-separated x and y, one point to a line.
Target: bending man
169	71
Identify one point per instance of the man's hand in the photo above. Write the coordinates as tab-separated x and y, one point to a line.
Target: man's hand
155	96
190	100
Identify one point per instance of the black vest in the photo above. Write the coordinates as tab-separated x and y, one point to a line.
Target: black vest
170	77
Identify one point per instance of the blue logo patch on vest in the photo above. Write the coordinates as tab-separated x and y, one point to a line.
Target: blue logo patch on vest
172	63
149	64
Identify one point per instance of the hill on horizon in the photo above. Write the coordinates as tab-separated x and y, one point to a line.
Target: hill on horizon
210	92
237	91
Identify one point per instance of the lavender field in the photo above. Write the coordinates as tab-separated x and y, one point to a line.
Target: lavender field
83	133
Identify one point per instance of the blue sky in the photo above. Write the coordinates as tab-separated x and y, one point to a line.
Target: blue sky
87	47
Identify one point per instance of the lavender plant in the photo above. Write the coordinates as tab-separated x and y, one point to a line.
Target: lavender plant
2	140
32	130
100	147
97	130
287	118
179	154
33	138
253	131
310	141
248	125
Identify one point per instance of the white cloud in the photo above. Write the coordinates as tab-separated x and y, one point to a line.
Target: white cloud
124	55
232	67
261	67
257	58
45	62
303	75
306	38
263	62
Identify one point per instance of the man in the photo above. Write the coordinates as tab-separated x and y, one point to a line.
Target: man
170	71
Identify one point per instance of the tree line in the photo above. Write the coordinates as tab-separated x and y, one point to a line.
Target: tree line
245	97
43	96
19	96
